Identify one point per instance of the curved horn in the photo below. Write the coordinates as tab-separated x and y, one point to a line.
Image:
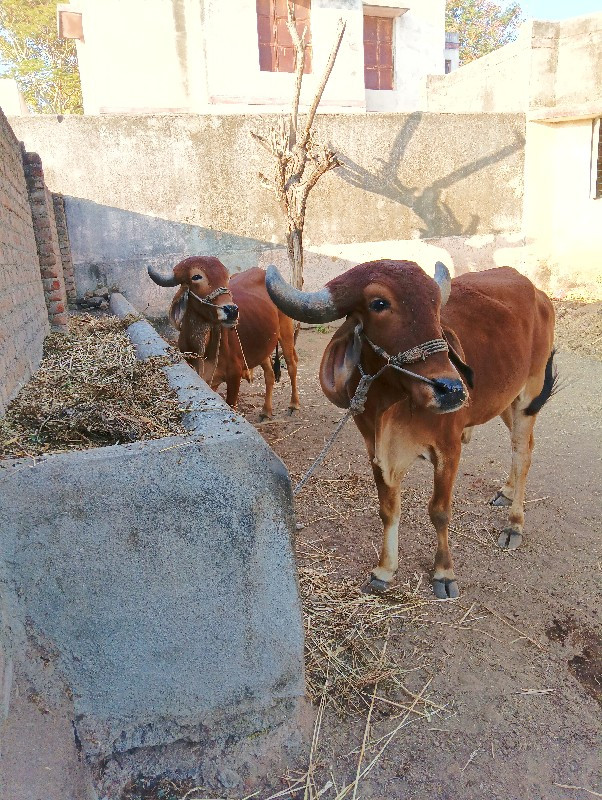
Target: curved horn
443	280
162	280
312	307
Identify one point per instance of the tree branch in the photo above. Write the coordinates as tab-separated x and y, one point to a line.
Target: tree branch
325	76
299	42
262	141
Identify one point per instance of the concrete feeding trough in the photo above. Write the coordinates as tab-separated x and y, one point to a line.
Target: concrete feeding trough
151	622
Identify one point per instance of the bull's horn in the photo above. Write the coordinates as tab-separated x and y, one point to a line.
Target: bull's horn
162	280
312	307
443	280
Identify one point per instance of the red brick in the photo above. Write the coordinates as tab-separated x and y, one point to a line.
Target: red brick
60	321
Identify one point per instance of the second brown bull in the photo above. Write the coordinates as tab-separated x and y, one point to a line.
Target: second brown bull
229	325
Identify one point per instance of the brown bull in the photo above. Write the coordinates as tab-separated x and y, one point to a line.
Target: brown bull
229	325
418	335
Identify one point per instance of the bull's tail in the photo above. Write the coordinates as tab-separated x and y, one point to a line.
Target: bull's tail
550	387
276	365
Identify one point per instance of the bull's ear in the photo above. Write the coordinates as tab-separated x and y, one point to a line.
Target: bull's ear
178	307
339	362
456	356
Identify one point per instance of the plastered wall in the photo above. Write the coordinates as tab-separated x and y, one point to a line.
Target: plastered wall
162	187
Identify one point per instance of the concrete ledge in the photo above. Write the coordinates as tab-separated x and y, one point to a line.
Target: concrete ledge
151	607
194	394
565	113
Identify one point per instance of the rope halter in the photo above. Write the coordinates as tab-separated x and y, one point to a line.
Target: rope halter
207	300
418	353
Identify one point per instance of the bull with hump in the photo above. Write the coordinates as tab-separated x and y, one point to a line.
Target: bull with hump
228	326
448	355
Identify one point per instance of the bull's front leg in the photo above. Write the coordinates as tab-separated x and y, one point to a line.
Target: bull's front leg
268	374
389	498
446	463
232	389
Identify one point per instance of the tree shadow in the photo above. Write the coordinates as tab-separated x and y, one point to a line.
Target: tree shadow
437	218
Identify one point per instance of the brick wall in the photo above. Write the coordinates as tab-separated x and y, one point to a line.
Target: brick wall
23	316
64	245
47	241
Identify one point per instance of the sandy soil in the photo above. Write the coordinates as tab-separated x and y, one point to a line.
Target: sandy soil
522	715
579	327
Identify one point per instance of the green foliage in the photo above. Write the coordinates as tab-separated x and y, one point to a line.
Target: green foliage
44	66
483	26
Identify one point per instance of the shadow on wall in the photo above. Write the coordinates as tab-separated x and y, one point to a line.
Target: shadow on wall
427	202
114	247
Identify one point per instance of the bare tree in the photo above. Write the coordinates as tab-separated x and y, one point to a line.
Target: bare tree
300	160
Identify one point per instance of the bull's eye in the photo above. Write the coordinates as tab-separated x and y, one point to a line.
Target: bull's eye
379	304
197	278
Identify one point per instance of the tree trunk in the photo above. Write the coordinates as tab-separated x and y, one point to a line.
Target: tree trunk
294	241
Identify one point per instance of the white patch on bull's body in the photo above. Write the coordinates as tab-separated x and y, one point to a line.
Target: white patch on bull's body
395	450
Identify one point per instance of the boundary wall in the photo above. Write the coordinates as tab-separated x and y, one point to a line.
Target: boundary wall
36	273
23	317
553	74
162	187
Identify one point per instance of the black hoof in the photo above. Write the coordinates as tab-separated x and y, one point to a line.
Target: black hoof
264	417
510	539
445	588
375	586
501	500
292	411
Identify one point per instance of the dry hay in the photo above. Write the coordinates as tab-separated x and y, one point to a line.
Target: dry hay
344	632
90	391
338	498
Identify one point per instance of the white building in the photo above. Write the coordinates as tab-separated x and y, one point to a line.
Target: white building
199	55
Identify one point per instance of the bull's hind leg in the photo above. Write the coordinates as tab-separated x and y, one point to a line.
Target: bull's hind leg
270	380
522	448
445	585
503	497
287	342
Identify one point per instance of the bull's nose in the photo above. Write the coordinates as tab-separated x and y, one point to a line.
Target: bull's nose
231	311
449	394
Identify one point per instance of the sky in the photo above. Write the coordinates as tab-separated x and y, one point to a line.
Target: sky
558	9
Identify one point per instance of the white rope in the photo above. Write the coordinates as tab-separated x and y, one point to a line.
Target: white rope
241	350
358	401
219	342
356	406
322	455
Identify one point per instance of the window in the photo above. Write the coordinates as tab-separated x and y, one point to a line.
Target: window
276	49
378	52
448	66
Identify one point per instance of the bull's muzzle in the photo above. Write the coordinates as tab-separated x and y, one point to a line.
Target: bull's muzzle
228	315
449	394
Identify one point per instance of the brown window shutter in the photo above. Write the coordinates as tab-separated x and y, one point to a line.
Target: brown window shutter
378	52
276	50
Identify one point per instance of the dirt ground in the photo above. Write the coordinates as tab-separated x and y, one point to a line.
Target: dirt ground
516	662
